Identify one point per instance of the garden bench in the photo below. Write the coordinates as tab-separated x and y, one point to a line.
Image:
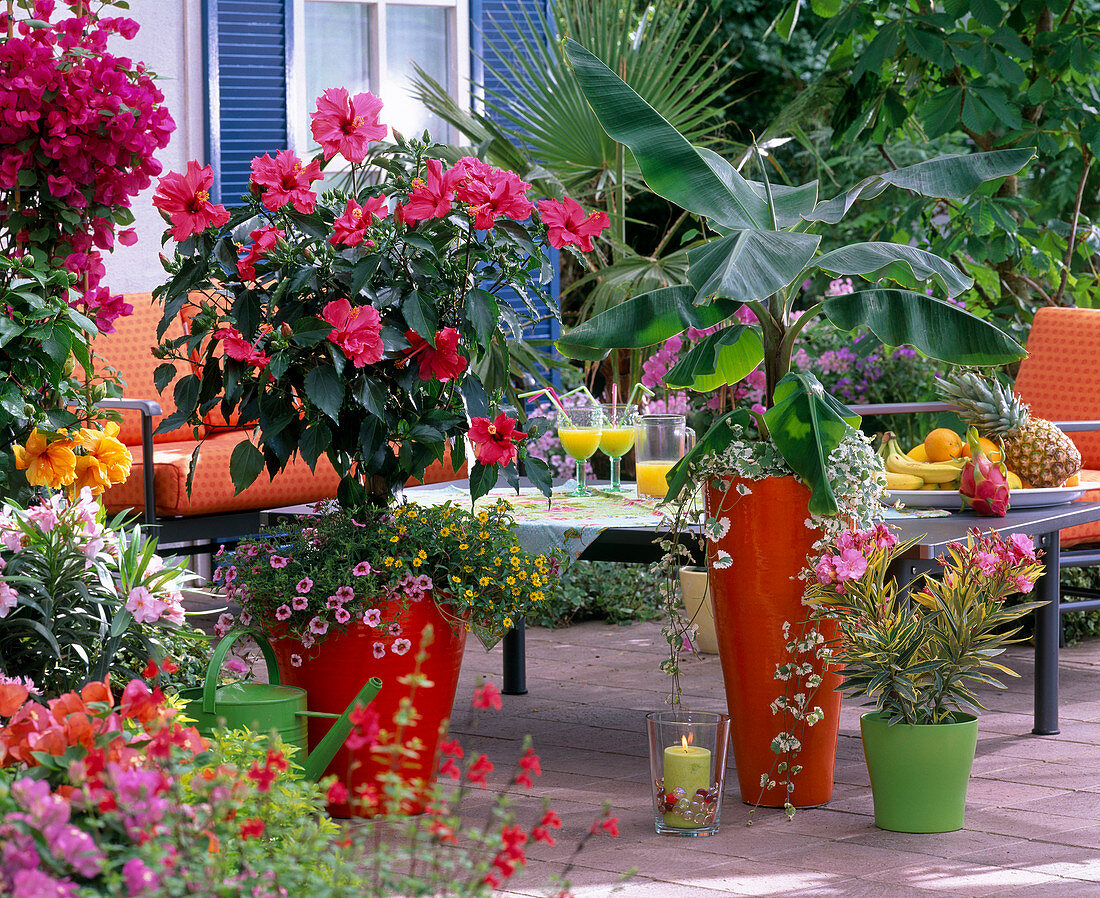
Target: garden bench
157	486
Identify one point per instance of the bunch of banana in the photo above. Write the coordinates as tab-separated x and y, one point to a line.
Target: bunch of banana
905	473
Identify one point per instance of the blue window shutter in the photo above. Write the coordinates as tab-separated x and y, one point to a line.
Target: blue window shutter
247	53
493	25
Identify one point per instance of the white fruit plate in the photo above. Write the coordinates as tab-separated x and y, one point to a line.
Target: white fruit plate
1036	498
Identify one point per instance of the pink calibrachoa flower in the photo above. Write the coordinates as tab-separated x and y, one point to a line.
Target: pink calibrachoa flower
567	223
295	660
361	569
263	241
441	362
342	615
334	602
345	593
356	330
299	603
372	617
401	646
379	649
433	194
304	585
318	626
238	348
494	442
283	612
350	229
287	180
184	199
278	561
347	125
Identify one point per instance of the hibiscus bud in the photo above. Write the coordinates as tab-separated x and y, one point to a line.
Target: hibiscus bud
286	330
983	485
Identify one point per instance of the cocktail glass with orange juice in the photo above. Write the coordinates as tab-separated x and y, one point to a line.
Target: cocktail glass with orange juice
617	437
660	441
580	434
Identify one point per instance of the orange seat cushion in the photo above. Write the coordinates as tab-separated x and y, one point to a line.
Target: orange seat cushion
1060	378
1084	533
212	488
129	350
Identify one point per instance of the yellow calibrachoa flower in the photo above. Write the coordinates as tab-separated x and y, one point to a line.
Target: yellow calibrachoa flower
47	463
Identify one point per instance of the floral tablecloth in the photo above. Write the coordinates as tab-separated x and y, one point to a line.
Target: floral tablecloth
569	523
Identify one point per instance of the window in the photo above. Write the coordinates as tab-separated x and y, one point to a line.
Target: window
373	45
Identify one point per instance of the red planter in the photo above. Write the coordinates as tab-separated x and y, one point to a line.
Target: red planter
753	597
333	672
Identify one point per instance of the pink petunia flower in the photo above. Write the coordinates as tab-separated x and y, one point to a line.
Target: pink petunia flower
345	593
372	617
295	660
318	626
304	585
342	615
347	125
299	603
184	199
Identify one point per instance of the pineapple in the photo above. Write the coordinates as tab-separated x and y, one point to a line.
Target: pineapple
1035	449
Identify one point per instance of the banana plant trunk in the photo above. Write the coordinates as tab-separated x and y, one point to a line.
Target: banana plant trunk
757	609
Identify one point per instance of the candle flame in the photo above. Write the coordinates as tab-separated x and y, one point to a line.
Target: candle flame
686	742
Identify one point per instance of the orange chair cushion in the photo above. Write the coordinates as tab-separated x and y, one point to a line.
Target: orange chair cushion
1060	378
212	489
130	350
1084	533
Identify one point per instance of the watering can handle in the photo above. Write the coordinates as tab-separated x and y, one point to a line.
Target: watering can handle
337	735
209	687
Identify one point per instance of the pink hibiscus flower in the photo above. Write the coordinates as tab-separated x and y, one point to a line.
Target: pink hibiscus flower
347	125
287	180
357	331
185	201
350	229
263	241
237	347
494	442
491	193
568	224
442	363
433	194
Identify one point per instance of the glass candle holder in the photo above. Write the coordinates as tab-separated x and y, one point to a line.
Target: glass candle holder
687	762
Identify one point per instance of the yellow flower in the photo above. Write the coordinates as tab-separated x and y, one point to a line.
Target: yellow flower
483	581
92	474
416	562
422	555
511	581
537	596
388	561
112	456
514	549
398	563
522	575
463	546
51	464
445	531
497	562
483	517
395	539
507	622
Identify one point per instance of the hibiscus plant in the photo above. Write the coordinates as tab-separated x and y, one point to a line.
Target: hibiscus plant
763	242
367	324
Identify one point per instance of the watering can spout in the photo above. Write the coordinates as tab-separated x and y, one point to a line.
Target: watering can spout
326	749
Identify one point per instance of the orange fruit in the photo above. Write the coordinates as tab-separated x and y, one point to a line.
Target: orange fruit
991	450
942	444
1075	480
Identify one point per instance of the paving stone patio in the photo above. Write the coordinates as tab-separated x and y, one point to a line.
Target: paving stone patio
1033	808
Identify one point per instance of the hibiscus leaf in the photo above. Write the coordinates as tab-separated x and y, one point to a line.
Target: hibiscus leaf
538	472
482	312
364	270
420	315
325	390
314	442
309	331
245	465
482	479
477	400
372	396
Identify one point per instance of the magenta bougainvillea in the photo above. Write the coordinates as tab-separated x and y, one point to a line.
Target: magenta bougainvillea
79	127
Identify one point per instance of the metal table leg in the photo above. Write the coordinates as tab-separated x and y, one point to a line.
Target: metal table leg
515	660
1048	627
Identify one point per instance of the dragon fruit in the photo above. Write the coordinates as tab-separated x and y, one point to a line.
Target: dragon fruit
983	484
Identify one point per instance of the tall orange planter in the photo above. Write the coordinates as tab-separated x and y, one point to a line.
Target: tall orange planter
753	597
333	672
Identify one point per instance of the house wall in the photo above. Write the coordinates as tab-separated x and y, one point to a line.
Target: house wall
170	43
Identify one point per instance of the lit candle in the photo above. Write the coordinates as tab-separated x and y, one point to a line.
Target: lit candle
687	767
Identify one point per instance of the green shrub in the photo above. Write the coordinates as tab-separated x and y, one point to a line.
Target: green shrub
599	590
1081	625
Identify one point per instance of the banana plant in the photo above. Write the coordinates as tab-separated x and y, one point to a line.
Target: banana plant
766	243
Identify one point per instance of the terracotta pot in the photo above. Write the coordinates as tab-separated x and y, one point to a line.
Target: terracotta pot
695	589
333	672
752	599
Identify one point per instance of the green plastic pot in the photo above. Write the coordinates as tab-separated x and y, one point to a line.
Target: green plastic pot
263	707
919	774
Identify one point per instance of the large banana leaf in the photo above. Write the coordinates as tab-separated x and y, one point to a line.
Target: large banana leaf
642	321
903	264
807	424
939	329
790	204
948	177
718	359
750	265
670	164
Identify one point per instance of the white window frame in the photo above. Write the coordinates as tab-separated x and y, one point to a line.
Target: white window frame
299	106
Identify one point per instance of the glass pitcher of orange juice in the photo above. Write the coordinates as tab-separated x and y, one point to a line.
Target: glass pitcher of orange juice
659	442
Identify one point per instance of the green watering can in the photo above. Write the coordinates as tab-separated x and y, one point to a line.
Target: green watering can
262	707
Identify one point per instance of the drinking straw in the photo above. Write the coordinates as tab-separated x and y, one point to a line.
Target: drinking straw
614	400
581	389
639	386
549	394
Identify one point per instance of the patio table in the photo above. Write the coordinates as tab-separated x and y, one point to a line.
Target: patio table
626	530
